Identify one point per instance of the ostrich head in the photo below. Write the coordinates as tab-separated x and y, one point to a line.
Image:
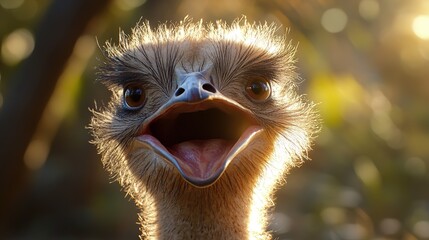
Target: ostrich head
201	112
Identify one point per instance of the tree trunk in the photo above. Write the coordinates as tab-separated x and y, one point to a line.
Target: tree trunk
31	88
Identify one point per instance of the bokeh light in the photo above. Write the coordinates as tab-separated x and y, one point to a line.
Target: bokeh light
390	226
11	4
421	26
415	166
333	215
421	229
334	20
369	9
367	172
17	46
352	231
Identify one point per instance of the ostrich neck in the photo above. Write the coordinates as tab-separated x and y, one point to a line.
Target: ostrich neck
204	213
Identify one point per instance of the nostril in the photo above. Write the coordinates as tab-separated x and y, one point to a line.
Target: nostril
179	92
208	87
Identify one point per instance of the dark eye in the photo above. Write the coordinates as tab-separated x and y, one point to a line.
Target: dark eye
258	89
134	96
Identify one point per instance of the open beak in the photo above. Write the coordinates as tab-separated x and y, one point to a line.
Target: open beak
199	131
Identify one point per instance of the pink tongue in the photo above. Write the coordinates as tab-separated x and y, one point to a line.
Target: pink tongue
201	159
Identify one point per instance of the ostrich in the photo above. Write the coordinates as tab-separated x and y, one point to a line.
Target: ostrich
203	123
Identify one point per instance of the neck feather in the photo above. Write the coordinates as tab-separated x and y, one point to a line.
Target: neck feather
225	210
234	207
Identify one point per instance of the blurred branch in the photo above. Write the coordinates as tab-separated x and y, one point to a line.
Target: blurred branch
31	88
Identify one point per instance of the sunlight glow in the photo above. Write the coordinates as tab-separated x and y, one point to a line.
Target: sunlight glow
279	160
421	26
242	35
284	155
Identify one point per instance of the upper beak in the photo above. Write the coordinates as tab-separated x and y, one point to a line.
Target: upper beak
199	130
193	88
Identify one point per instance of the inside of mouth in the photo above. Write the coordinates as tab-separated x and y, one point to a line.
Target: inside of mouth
202	140
213	123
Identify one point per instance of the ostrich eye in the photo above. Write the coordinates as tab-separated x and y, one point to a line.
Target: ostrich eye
134	96
258	89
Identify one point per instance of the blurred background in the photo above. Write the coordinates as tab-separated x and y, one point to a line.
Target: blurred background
365	62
